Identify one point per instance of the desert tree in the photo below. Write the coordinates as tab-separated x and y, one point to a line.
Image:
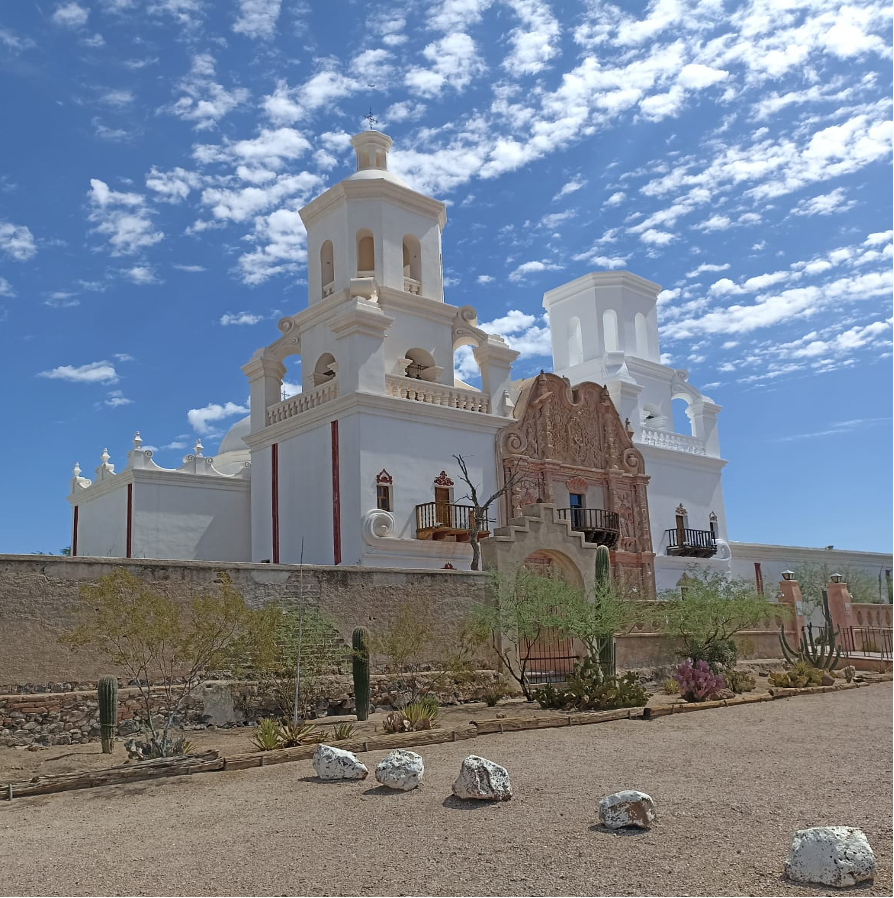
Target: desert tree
526	607
479	514
166	648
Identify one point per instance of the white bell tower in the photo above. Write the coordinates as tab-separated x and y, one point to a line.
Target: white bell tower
372	225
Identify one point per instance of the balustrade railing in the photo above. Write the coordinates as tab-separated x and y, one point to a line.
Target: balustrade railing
433	516
690	542
599	525
666	439
436	394
411	285
301	402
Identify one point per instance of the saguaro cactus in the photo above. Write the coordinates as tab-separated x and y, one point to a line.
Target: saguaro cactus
107	692
360	657
603	583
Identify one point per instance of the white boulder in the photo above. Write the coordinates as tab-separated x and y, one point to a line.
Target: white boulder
831	855
337	764
400	770
627	808
482	779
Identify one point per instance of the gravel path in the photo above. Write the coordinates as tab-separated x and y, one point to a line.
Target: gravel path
730	785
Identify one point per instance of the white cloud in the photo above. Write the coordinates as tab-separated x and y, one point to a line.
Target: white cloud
571	186
6	288
70	15
455	61
17	241
204	101
655	237
91	373
192	269
824	204
240	318
616	199
172	186
526	268
527	334
696	76
404	111
115	399
555	219
534	42
484	279
141	274
121	217
257	18
201	419
706	266
13	42
714	223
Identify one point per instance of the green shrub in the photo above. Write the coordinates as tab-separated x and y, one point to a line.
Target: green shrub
669	687
739	680
588	689
422	714
495	691
719	656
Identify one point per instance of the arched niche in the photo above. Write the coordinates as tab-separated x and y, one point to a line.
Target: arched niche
651	417
421	365
412	259
641	328
575	342
366	254
325	369
610	330
327	267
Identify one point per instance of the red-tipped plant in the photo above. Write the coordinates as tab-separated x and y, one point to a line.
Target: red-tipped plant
697	683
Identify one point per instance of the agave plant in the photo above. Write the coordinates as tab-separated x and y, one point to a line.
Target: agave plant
422	714
266	736
343	731
292	734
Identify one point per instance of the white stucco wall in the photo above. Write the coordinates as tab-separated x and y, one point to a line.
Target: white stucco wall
102	524
776	559
192	517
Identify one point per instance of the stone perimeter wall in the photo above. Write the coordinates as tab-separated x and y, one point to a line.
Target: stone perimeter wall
39	595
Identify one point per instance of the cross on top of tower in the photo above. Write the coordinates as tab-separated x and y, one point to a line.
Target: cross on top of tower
371	119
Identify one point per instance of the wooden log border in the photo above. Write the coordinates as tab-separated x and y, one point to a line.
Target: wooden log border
210	761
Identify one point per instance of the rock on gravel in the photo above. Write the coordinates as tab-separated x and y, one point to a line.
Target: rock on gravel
627	808
337	764
400	770
831	855
482	779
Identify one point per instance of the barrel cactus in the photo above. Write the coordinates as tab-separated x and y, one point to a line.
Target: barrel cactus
360	656
107	693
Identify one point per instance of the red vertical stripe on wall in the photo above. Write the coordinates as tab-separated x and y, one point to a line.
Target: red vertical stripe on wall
758	578
129	551
336	498
274	498
74	532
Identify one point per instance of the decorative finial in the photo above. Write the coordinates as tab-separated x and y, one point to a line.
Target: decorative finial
137	440
76	470
628	427
371	119
197	451
104	458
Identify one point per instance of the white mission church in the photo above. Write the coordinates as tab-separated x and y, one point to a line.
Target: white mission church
358	467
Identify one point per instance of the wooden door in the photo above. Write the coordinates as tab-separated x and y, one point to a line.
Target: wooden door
442	506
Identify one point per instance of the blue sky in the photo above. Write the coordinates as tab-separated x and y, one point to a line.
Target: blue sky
155	154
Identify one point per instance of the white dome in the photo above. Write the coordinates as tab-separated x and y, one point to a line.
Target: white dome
233	441
375	174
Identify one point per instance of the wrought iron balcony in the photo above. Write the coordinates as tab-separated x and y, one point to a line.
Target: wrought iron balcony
446	521
598	525
692	543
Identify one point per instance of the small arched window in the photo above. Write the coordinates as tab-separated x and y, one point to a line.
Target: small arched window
575	342
610	330
412	264
327	268
366	254
325	369
642	335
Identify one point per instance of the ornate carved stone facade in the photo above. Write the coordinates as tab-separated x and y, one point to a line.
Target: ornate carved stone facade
571	441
